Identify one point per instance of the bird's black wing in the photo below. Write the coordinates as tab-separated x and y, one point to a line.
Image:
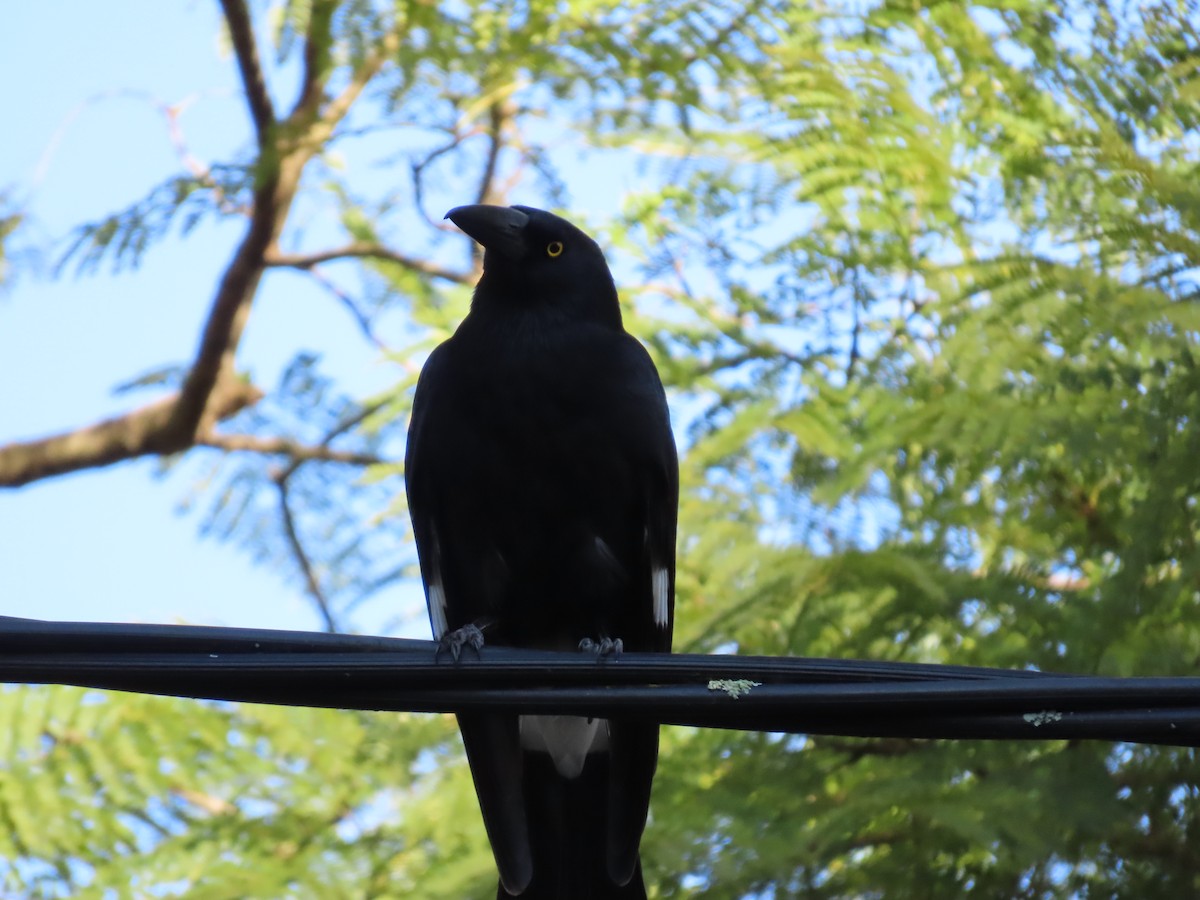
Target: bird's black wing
634	745
416	481
656	446
492	741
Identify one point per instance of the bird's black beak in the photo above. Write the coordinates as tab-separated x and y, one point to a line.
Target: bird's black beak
498	228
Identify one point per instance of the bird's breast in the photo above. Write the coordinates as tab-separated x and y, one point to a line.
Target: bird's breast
544	491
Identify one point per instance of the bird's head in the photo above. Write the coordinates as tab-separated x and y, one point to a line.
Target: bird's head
536	260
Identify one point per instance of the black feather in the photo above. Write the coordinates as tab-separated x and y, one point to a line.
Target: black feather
543	486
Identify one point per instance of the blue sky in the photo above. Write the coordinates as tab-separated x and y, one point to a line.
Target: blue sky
83	80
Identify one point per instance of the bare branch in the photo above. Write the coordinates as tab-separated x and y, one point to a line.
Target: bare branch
241	34
360	250
296	451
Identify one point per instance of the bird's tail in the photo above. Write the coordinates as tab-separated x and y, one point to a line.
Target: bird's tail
568	832
635	889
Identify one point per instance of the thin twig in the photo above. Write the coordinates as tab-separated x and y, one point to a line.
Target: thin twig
417	172
856	302
281	480
370	66
495	134
296	451
363	250
306	568
349	422
360	318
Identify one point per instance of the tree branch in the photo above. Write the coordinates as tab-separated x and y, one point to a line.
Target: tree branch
340	428
139	433
361	319
289	523
417	170
285	447
229	313
361	250
241	34
280	168
319	39
211	388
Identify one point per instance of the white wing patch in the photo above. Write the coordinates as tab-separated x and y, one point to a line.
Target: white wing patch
435	593
660	584
606	554
661	580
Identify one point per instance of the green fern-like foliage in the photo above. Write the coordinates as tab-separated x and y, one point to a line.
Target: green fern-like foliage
973	443
151	796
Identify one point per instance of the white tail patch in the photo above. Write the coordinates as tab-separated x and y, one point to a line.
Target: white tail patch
568	739
435	593
661	581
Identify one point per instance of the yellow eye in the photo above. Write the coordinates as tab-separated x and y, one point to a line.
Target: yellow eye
554	248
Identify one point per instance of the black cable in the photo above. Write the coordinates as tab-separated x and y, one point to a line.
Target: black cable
816	696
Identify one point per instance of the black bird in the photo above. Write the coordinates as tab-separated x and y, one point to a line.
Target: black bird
543	486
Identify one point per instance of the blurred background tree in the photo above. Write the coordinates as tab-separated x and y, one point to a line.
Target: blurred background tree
923	283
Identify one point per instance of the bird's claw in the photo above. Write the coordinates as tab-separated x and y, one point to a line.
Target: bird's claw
603	648
453	642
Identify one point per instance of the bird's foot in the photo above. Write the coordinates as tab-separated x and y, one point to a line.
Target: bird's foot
453	642
603	648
